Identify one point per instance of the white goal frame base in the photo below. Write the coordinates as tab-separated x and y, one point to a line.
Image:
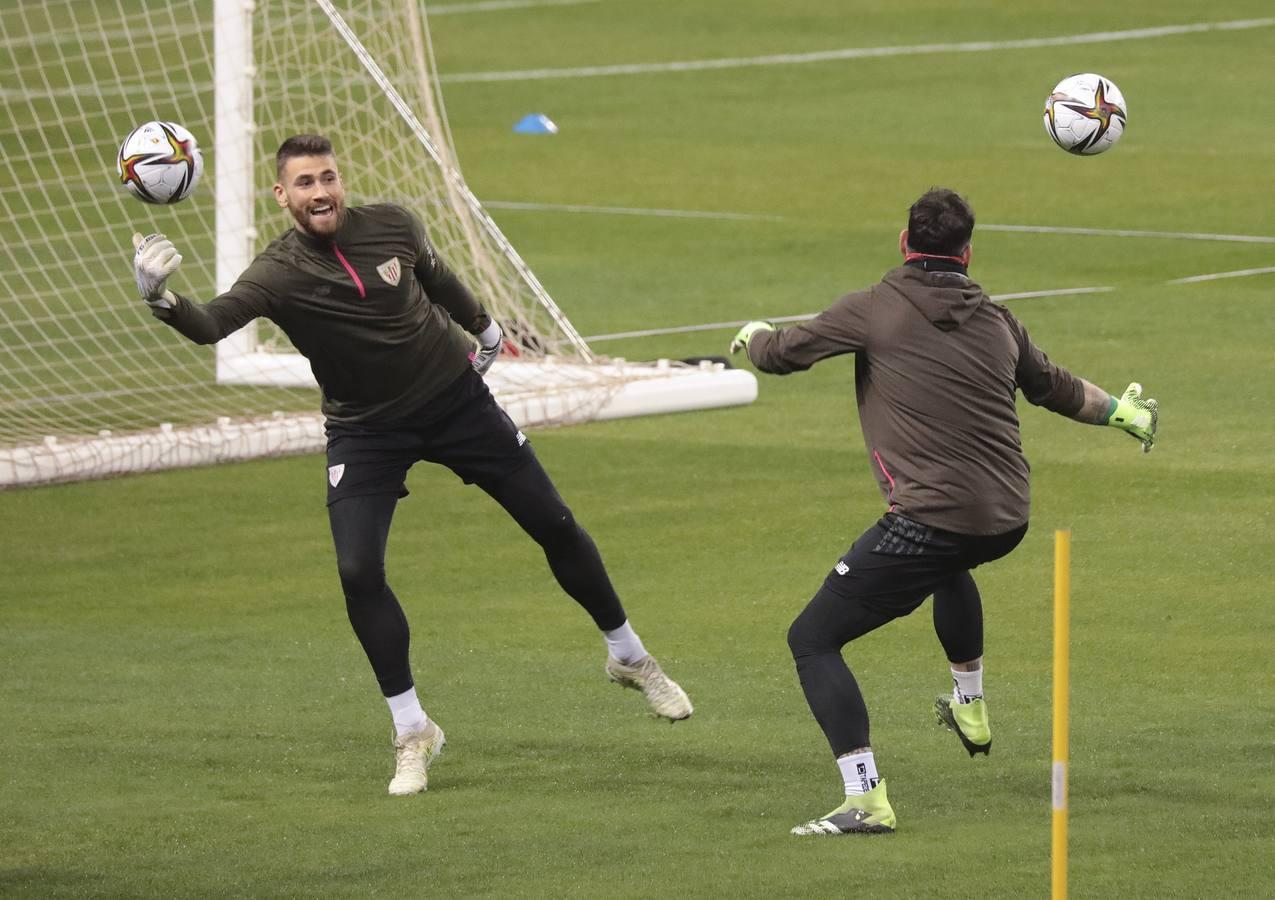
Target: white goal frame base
612	390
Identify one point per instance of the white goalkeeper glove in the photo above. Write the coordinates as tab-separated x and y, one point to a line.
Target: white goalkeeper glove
154	259
489	344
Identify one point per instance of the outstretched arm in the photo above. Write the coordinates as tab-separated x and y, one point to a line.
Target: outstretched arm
1054	388
155	259
842	328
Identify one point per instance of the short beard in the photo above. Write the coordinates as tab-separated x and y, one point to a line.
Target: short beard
302	219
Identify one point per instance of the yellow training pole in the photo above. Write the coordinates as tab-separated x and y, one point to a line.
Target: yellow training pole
1062	666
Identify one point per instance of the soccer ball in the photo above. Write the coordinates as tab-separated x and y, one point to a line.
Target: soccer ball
1086	114
159	162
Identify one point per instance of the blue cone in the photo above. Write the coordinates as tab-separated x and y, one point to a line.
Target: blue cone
535	123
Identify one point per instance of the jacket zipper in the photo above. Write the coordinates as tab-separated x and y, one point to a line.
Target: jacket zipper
888	477
358	282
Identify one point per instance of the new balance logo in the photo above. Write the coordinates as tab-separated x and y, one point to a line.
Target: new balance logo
335	473
841	568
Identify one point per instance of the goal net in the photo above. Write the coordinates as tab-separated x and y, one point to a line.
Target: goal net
90	385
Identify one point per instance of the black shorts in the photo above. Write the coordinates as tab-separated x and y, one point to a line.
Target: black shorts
464	429
898	562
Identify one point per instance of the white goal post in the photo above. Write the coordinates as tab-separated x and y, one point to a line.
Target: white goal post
89	385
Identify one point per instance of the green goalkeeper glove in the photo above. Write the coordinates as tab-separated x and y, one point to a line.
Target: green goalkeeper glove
154	259
1137	416
745	334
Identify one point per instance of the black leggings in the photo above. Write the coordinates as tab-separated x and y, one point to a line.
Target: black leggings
888	573
361	526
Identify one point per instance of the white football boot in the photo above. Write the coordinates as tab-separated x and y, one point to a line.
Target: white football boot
664	695
413	753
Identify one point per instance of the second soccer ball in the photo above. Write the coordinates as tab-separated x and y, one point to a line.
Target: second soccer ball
1085	114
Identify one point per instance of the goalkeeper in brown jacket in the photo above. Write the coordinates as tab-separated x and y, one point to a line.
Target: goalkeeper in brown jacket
398	346
937	368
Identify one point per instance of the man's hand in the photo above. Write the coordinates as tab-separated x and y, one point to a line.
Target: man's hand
745	334
154	259
1137	416
489	344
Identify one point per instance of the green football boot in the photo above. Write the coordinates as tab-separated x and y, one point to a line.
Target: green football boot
868	813
968	720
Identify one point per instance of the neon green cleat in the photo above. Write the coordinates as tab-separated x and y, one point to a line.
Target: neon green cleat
868	813
968	720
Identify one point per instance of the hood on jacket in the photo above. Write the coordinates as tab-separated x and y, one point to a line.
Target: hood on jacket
946	299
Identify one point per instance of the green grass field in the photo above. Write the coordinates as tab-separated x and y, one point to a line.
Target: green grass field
185	709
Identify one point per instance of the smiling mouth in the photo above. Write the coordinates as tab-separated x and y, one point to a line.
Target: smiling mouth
322	212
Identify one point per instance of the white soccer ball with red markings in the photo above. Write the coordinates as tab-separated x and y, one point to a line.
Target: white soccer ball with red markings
1086	114
159	162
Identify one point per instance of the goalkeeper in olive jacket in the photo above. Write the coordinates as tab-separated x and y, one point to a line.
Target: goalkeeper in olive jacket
390	334
937	367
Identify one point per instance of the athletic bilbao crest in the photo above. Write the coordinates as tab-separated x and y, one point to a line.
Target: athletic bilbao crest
390	271
335	473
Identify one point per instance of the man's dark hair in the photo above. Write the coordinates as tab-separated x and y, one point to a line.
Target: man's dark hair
301	145
940	222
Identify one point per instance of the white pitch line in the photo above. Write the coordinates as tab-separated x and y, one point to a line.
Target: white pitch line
498	5
784	59
1238	273
759	217
630	211
1133	233
1060	292
805	317
687	329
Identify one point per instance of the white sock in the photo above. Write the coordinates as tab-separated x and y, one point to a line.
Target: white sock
407	712
859	772
624	644
967	686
